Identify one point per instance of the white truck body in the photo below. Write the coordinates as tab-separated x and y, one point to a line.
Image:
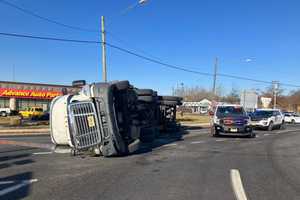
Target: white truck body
60	131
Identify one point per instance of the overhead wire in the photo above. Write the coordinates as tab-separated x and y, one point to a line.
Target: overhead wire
159	62
33	14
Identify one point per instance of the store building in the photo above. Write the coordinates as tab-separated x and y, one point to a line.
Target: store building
201	107
19	95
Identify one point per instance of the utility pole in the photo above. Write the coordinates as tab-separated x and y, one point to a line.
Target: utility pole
215	77
275	91
104	72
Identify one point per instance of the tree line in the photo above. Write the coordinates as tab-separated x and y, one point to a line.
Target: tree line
288	101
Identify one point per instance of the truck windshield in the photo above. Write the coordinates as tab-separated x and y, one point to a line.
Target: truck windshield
227	111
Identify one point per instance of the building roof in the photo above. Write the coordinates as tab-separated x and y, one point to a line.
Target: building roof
203	103
38	84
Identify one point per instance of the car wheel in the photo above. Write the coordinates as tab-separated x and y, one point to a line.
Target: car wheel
270	127
282	126
293	121
3	114
252	135
214	132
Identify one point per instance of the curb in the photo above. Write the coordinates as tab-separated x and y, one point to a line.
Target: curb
16	132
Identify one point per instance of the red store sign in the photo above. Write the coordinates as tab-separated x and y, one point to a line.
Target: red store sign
28	94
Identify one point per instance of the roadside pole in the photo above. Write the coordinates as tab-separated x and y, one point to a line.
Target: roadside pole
215	77
275	90
104	72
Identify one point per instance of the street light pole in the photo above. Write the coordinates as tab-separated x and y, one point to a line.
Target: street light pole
104	72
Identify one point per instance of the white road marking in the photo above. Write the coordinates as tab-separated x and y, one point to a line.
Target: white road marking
197	142
170	145
15	187
220	140
237	185
266	134
43	153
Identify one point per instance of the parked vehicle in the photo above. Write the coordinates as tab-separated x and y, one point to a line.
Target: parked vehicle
291	118
32	112
5	112
231	120
268	119
105	118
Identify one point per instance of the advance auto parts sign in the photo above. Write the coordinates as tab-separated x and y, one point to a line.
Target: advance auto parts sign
28	94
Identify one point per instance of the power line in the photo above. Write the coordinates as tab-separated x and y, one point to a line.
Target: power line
49	38
181	68
28	12
177	67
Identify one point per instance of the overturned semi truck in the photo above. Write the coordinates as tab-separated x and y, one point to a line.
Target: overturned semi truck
107	117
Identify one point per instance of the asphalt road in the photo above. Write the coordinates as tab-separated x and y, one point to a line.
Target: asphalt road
196	166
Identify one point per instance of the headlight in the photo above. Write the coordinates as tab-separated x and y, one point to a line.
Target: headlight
217	121
247	121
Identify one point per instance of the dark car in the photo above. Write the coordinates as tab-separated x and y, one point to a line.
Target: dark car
231	120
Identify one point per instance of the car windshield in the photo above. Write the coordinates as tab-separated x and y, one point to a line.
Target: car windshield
226	111
263	113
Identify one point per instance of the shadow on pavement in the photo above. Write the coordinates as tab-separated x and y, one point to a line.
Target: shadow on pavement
7	160
14	187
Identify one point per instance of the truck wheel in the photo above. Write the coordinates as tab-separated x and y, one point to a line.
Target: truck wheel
144	92
122	85
170	98
169	103
147	99
270	127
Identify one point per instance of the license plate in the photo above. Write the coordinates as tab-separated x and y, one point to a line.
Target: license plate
91	121
234	130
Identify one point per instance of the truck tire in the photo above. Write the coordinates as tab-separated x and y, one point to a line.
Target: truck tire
169	103
122	85
144	92
147	99
170	98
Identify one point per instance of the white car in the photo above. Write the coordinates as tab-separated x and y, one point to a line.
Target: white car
291	118
4	112
267	119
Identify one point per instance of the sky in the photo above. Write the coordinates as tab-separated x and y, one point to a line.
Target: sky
254	39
